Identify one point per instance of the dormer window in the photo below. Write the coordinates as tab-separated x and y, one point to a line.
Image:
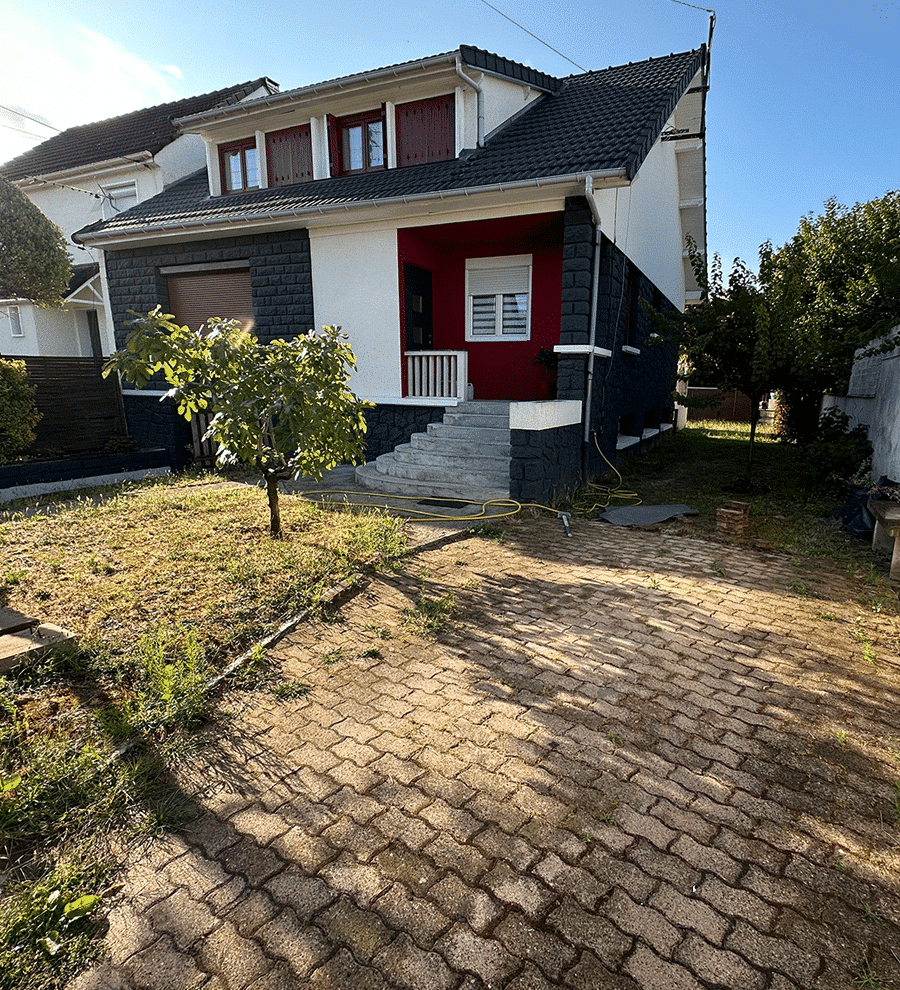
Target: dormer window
357	142
239	162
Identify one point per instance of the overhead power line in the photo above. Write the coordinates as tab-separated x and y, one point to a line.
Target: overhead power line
683	4
28	116
533	35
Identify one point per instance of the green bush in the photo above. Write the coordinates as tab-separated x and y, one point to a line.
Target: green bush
837	452
18	411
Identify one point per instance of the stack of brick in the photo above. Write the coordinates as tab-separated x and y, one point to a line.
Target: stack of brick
732	519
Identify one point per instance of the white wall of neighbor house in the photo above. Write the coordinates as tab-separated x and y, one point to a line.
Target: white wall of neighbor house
45	332
644	221
356	286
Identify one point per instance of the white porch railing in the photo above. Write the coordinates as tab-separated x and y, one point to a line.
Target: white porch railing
437	374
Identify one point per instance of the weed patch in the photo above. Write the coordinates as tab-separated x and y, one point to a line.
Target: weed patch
46	932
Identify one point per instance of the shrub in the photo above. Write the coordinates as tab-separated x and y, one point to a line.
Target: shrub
837	452
18	411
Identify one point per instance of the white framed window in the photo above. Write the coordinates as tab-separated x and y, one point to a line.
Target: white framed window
118	198
15	321
498	298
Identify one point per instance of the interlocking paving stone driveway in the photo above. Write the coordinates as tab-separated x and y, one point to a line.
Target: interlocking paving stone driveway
628	759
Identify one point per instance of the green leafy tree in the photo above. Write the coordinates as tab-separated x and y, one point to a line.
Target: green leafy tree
18	412
283	408
34	262
836	285
731	338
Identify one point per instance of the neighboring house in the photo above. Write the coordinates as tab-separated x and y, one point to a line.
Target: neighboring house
90	173
462	217
873	401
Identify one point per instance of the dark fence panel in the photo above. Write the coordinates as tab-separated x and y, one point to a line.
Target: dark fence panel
732	406
80	410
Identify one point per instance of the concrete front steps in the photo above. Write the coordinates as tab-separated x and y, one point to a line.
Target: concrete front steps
464	457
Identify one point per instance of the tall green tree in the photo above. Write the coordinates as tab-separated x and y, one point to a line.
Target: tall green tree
836	285
34	262
284	408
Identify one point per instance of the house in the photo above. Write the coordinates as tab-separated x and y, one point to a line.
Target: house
477	227
90	173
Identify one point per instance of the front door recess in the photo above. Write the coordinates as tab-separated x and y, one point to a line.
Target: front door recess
417	308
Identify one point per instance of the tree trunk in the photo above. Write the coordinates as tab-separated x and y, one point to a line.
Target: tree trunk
274	509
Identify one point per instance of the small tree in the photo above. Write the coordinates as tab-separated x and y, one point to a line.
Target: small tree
18	412
283	408
731	337
34	262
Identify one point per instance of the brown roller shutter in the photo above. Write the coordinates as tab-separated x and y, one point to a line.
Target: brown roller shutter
426	131
289	156
196	296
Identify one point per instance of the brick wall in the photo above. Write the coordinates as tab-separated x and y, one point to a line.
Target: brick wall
390	425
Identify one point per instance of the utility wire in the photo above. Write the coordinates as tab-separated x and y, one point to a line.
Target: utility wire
683	4
28	116
533	35
19	130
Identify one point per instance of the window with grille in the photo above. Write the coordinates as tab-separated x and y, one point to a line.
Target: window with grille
498	298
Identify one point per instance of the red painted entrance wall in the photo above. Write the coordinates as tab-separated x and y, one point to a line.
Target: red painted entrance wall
502	369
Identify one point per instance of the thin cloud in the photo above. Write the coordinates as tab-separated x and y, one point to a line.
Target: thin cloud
74	77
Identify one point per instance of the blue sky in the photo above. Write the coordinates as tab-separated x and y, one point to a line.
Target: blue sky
803	103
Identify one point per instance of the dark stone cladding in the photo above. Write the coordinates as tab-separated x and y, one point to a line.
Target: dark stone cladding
152	423
390	425
544	462
631	392
281	283
280	278
89	466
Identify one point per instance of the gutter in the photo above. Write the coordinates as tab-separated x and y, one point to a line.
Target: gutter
88	169
237	110
479	93
610	177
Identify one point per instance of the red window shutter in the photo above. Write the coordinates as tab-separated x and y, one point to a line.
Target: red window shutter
196	296
334	145
289	156
426	130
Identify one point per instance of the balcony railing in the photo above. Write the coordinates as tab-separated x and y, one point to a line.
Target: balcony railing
437	374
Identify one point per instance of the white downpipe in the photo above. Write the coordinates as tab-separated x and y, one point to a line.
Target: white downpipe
479	94
595	286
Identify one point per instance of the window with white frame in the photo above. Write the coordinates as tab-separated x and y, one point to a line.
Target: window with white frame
15	322
498	298
118	198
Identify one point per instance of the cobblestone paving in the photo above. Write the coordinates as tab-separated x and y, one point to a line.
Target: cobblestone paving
627	760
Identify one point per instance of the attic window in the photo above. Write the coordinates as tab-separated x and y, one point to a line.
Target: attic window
357	142
498	298
118	198
239	162
15	323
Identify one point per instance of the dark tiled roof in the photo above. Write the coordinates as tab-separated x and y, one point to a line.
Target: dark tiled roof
144	130
82	274
490	62
476	57
597	121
